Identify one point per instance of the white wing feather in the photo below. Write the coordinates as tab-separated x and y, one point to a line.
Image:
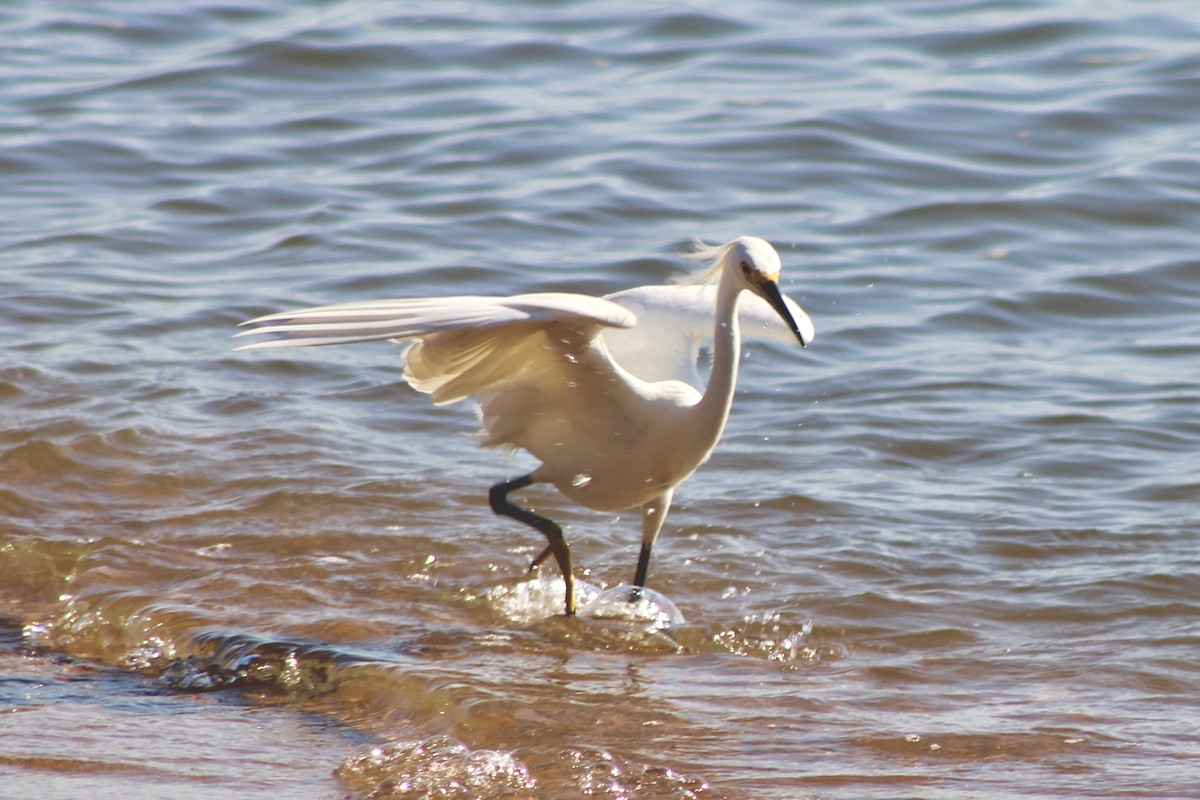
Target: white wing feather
675	320
416	317
462	345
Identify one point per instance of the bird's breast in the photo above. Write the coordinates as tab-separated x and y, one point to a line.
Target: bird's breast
623	470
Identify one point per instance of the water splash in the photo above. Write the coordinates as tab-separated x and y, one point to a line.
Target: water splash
633	606
600	773
536	598
437	767
771	636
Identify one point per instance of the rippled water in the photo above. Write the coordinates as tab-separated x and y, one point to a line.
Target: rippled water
949	550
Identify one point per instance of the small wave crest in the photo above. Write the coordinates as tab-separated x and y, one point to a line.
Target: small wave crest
436	767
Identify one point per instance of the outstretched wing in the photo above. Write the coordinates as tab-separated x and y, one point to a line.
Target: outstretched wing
534	363
462	345
409	318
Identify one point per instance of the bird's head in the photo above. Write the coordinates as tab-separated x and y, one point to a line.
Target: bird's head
755	262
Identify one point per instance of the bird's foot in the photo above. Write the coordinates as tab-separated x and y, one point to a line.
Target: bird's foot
537	562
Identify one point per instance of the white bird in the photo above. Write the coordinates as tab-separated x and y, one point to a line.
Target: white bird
599	390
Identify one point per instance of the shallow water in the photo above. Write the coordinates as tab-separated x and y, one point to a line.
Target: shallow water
951	549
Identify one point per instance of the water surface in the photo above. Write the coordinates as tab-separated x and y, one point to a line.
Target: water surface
949	550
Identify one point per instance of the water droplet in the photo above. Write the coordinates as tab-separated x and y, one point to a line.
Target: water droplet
581	480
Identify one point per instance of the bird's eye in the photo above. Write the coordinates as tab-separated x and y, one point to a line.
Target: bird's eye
746	268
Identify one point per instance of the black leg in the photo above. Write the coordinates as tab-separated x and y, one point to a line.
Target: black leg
498	498
639	577
654	514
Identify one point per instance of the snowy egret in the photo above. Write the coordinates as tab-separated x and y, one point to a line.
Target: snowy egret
610	434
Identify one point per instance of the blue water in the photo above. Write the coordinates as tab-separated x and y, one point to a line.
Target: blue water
949	550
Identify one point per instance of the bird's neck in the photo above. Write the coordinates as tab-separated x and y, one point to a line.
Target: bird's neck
713	408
